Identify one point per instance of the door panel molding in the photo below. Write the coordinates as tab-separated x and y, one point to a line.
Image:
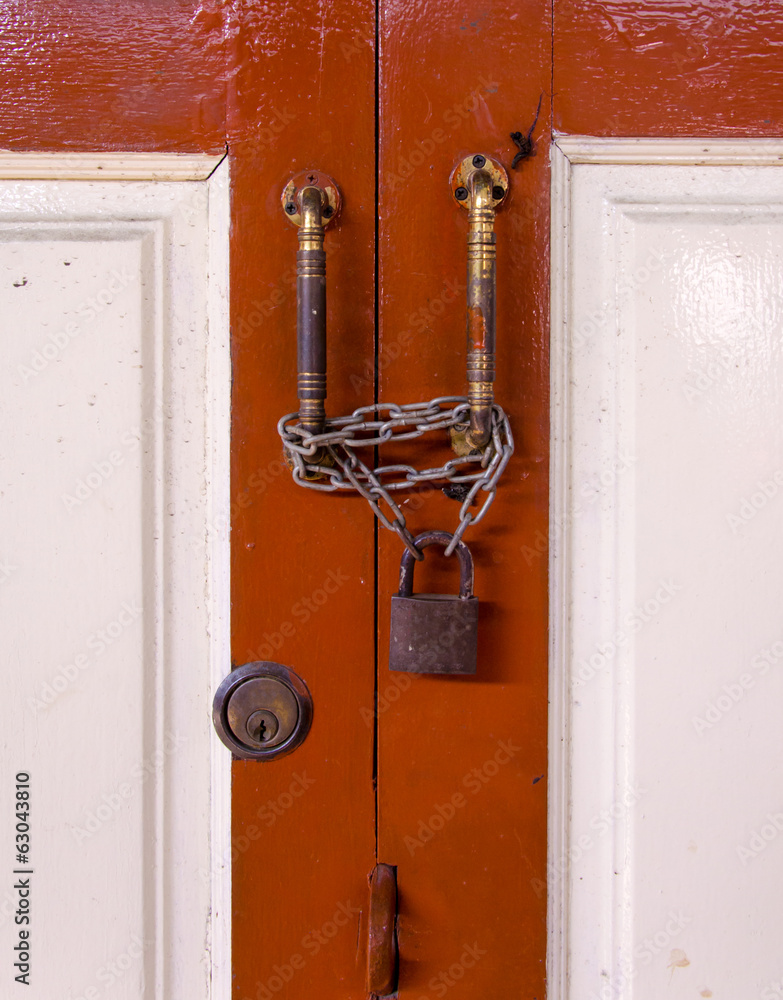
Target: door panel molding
666	374
76	165
116	406
687	152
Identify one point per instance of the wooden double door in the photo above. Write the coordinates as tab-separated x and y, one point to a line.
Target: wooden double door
443	778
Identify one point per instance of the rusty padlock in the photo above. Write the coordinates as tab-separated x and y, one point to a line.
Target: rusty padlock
434	633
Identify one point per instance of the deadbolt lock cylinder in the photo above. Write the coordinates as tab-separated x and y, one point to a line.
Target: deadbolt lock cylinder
262	710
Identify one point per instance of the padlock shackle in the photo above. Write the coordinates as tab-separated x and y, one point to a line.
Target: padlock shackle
437	538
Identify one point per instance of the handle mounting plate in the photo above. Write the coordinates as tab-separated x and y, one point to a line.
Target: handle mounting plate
464	170
332	202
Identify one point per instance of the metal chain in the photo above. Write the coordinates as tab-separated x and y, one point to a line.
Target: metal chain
371	426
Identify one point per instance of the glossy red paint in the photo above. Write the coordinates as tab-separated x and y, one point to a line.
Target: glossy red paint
130	75
672	67
462	809
302	96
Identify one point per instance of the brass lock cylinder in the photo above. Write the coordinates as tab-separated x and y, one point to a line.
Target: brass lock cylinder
262	710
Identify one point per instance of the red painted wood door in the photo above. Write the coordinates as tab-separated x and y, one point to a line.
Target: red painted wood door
443	778
461	762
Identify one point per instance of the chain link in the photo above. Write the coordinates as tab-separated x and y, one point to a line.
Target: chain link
372	426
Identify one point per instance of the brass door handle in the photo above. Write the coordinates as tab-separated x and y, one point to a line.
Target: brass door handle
311	200
382	932
332	454
480	183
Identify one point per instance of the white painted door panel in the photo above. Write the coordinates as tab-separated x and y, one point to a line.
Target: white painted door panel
667	781
114	404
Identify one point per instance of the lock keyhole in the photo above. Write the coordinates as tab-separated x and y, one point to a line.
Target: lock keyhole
262	727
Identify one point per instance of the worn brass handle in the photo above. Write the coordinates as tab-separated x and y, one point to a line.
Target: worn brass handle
382	932
479	183
311	200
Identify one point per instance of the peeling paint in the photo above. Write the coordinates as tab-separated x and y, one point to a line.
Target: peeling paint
477	329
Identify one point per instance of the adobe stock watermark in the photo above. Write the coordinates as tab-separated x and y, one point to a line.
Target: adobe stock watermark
597	485
633	622
588	327
345	915
398	685
103	469
117	968
8	907
773	990
441	983
96	643
643	955
473	782
760	839
585	496
86	311
400	681
751	505
247	325
418	323
302	611
359	41
722	361
268	813
256	485
701	380
453	118
112	802
277	123
733	693
7	570
599	826
696	51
